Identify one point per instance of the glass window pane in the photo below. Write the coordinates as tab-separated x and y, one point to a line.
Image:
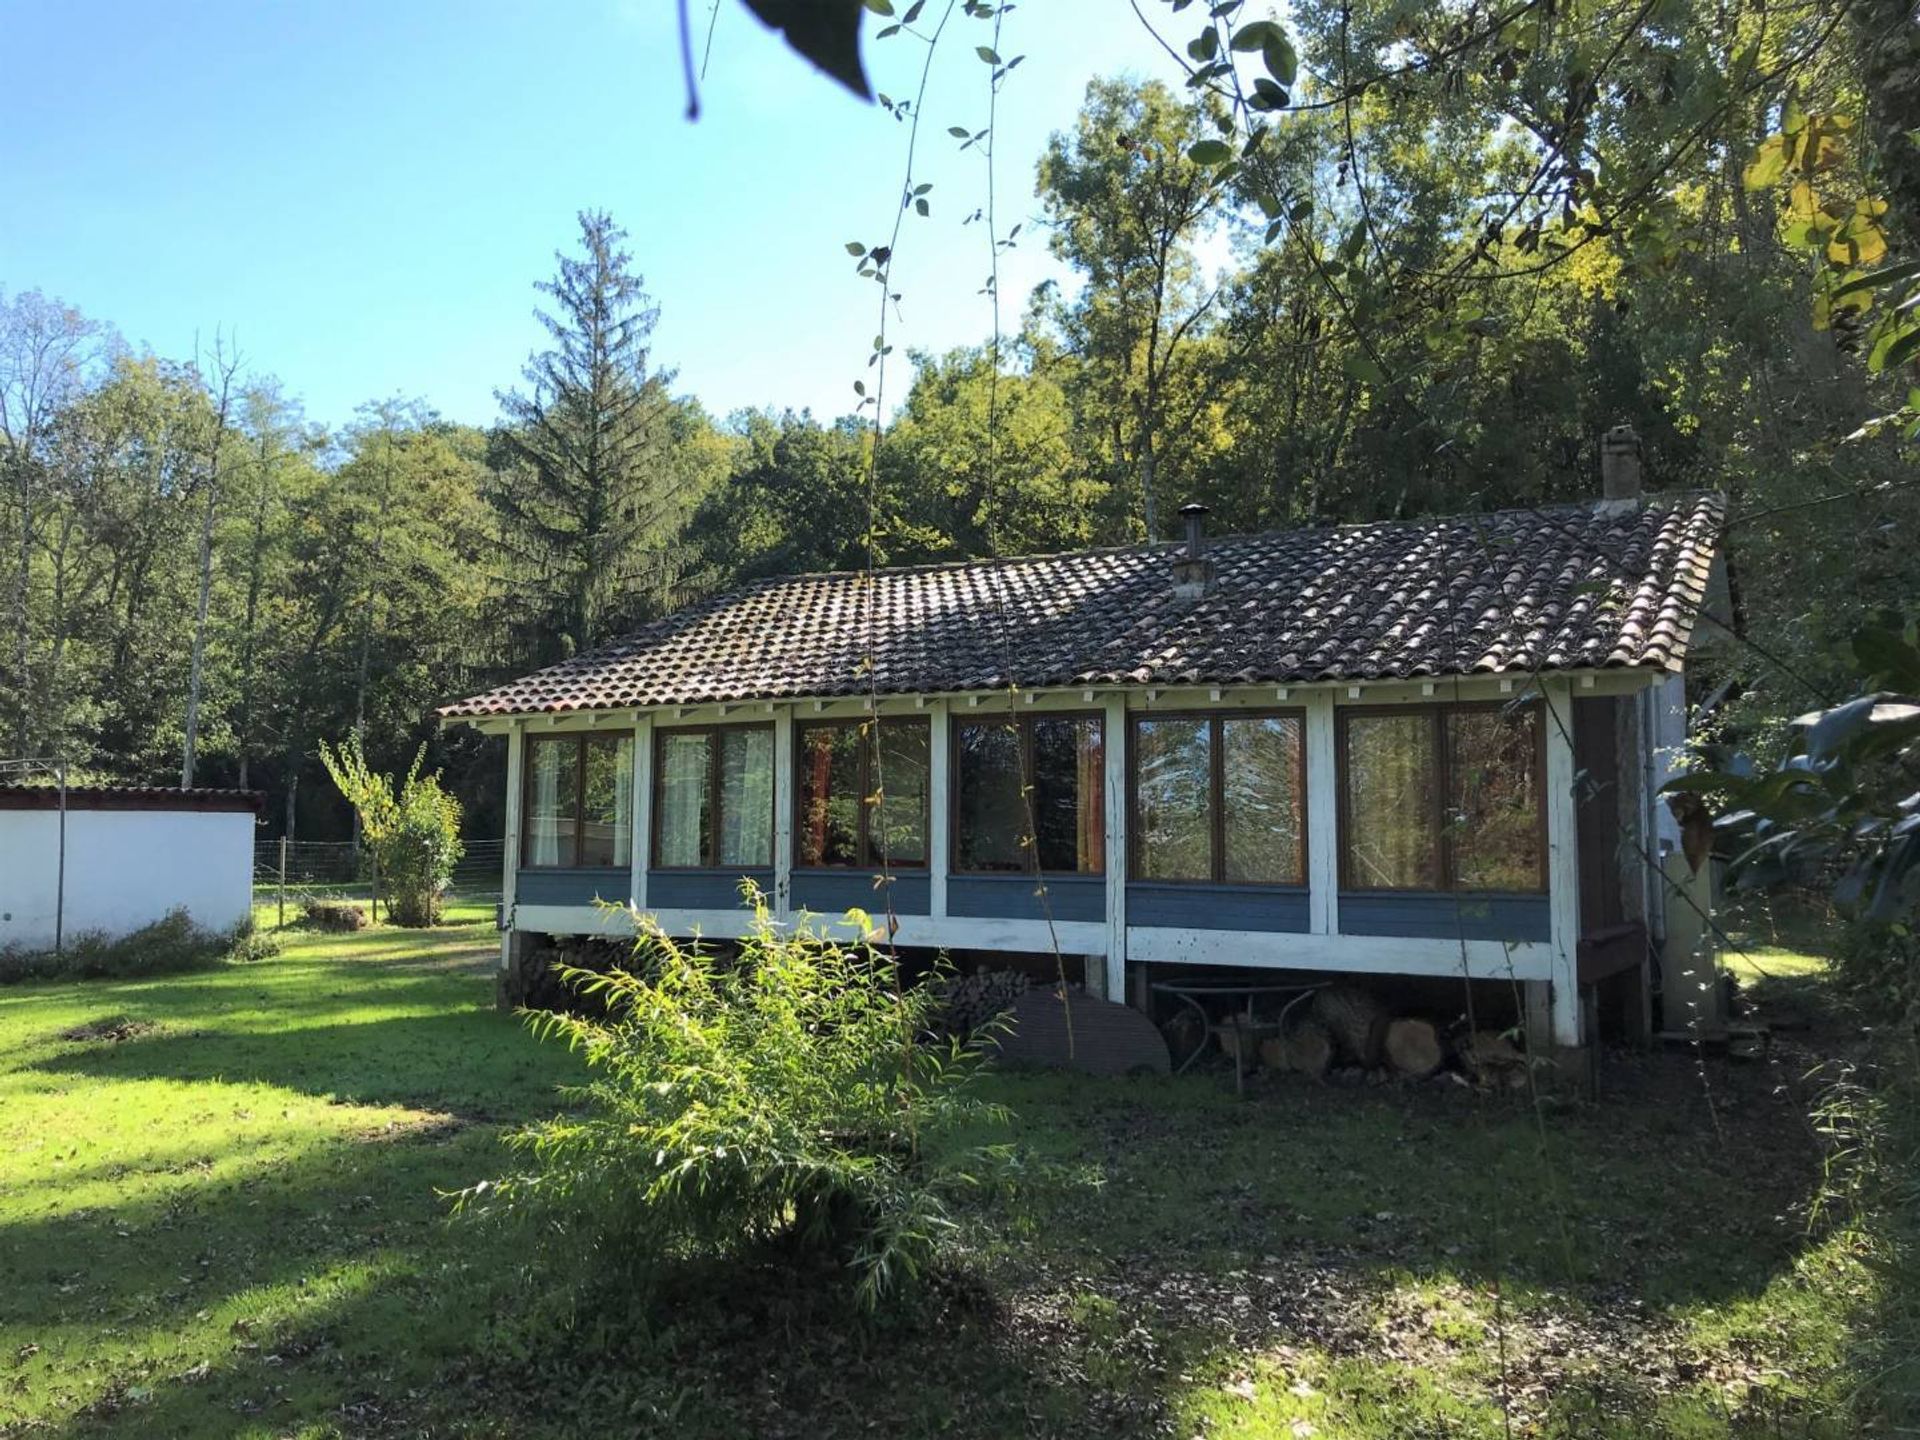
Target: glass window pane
1392	781
1260	775
829	790
746	797
685	798
606	836
901	774
992	816
1069	789
1493	804
1173	799
551	800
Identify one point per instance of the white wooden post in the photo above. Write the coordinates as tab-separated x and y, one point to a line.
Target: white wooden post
1563	864
939	807
510	850
642	845
1323	817
1115	727
783	779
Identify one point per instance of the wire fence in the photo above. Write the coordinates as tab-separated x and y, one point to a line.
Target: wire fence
339	865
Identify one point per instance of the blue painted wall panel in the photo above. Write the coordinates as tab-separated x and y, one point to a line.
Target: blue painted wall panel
1445	917
1011	897
1217	907
701	889
834	892
574	887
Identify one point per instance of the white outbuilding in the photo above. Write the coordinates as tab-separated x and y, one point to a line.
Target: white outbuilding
111	859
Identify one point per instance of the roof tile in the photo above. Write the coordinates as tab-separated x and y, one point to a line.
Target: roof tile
1563	588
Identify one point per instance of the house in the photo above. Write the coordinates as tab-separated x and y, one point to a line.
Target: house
1423	748
112	859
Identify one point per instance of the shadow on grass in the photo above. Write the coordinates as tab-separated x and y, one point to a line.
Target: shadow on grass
1305	1238
473	1062
264	1299
1174	1243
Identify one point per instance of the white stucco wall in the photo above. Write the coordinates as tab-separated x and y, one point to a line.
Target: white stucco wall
125	869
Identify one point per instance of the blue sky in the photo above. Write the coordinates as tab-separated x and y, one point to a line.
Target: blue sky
363	193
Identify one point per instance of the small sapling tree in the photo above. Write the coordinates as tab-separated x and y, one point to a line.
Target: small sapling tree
412	831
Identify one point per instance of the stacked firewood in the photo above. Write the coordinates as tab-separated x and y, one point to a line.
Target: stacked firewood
971	1001
1345	1033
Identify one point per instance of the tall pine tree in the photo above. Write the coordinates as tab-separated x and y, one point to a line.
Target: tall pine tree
587	486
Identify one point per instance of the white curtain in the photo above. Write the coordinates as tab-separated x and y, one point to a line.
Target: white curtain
552	794
623	804
683	800
746	797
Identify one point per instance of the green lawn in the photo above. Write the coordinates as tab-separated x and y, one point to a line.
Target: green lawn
218	1215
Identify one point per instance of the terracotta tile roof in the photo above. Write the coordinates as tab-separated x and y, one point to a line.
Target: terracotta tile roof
1517	590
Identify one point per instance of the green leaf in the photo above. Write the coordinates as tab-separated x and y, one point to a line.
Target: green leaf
1268	96
1360	366
1209	152
1896	349
880	7
1258	35
987	53
854	247
920	206
825	32
1768	164
959	132
1891	275
1281	61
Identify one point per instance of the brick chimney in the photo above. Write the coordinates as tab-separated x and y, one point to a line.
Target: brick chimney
1620	468
1192	570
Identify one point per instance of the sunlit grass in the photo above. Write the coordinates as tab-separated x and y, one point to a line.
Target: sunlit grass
250	1172
228	1222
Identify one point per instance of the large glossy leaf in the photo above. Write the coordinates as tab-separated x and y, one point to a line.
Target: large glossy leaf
827	32
1828	730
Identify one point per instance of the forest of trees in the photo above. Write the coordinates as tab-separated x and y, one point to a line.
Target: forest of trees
200	584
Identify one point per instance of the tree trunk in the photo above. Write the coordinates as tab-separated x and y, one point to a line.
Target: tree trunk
196	666
23	706
1149	509
256	564
1888	44
226	367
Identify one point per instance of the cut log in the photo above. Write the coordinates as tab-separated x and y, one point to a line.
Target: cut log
1305	1048
1237	1041
1356	1021
1413	1047
1489	1057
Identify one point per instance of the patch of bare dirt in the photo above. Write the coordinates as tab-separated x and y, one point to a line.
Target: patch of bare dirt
427	1126
110	1030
